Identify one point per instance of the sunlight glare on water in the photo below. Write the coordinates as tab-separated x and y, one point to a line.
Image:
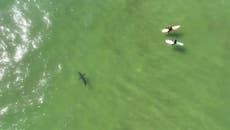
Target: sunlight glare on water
17	39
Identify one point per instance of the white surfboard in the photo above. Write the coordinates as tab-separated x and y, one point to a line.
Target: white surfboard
180	44
175	27
171	42
165	30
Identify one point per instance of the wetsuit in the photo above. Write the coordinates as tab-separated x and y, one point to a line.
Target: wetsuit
175	41
170	29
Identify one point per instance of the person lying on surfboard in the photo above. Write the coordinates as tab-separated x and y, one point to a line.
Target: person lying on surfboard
170	28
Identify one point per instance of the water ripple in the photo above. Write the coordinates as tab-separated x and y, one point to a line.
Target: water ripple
16	33
20	34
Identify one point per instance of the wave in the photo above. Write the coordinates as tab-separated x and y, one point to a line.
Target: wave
15	33
22	28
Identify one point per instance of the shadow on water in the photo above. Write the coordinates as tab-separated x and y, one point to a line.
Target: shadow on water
175	34
179	49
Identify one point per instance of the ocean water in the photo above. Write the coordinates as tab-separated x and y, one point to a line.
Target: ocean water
24	26
136	81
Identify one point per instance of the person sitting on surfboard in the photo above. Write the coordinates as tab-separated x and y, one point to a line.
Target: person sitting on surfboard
174	42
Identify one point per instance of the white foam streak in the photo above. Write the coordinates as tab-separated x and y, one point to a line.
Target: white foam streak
17	38
3	111
59	69
41	99
4	59
23	24
20	51
2	72
46	19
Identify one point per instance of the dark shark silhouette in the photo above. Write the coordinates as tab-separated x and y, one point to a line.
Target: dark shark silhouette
83	78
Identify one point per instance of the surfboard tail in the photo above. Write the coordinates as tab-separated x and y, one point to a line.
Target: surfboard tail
164	30
170	42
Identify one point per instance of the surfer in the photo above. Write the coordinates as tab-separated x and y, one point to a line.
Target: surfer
83	78
174	42
170	28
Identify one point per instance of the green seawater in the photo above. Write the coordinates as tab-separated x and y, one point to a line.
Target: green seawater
136	81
